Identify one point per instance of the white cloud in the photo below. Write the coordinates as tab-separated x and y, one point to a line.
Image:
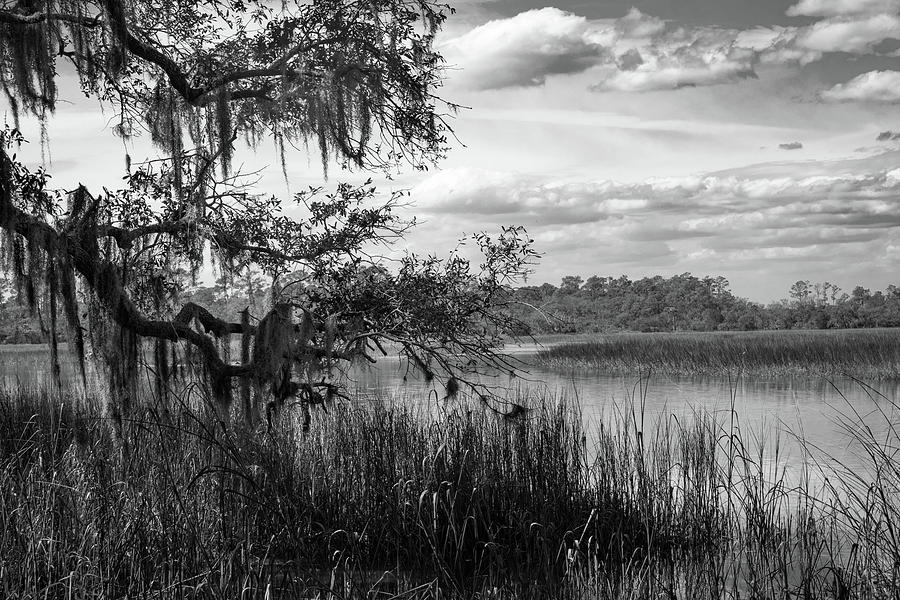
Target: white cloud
858	36
834	8
874	86
838	216
523	50
764	225
675	76
637	52
845	198
776	45
636	25
640	52
655	56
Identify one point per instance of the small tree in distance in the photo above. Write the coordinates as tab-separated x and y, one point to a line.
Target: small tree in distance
355	79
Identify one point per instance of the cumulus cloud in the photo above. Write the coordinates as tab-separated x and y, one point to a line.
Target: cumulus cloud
835	213
676	76
640	52
833	8
701	201
874	86
502	196
637	25
524	50
791	146
673	57
887	136
857	36
776	45
637	52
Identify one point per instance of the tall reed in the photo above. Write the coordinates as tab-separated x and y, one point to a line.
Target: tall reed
866	354
394	501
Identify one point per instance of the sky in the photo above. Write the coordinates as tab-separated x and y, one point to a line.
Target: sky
749	139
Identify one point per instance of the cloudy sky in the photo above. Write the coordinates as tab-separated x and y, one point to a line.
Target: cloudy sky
750	139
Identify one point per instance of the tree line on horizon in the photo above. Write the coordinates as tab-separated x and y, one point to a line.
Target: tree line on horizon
689	303
597	304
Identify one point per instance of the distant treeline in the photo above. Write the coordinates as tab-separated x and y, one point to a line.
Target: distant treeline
688	303
17	326
599	304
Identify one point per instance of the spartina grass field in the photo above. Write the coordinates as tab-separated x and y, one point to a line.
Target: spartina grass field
869	354
395	502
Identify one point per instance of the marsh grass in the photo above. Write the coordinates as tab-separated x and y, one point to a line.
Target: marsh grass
865	354
394	501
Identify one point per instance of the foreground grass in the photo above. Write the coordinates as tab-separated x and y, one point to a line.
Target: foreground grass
865	354
387	502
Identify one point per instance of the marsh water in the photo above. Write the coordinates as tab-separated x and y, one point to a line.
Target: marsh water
774	412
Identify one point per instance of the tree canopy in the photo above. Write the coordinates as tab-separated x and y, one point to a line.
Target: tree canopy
203	78
685	302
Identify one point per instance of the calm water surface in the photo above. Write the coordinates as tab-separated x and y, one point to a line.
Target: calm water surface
771	410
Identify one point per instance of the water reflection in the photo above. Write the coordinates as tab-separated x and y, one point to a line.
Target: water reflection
800	423
767	410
